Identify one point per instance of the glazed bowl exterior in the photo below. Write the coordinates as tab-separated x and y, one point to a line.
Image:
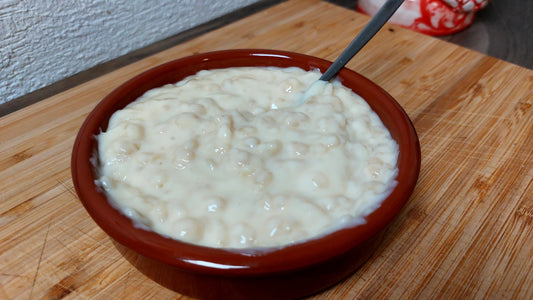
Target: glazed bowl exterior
288	272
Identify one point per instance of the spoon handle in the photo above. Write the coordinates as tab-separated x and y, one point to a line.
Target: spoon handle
373	26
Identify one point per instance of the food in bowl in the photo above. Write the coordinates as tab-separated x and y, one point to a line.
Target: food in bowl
228	158
288	272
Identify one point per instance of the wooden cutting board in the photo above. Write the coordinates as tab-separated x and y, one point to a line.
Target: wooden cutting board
466	232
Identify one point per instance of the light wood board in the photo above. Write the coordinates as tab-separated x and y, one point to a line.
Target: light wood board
466	232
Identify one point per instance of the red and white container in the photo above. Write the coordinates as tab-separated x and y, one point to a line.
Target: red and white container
433	17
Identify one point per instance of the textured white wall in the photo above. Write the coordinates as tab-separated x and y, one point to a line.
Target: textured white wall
43	41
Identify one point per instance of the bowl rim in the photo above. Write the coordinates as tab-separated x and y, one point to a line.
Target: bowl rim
240	262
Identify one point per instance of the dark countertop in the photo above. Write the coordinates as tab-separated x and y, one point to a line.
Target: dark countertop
502	30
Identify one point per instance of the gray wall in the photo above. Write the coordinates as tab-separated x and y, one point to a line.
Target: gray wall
43	41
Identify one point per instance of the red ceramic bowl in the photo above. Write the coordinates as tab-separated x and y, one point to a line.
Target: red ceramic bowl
204	272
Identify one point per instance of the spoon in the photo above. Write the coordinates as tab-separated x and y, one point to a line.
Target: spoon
373	26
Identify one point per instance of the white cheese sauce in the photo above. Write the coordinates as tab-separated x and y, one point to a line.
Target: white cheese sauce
225	158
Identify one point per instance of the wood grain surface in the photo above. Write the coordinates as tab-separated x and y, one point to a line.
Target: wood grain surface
466	232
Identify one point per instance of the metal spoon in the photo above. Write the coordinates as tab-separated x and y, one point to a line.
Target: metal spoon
373	26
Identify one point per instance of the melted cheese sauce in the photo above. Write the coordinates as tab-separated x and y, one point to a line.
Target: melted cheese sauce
225	158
